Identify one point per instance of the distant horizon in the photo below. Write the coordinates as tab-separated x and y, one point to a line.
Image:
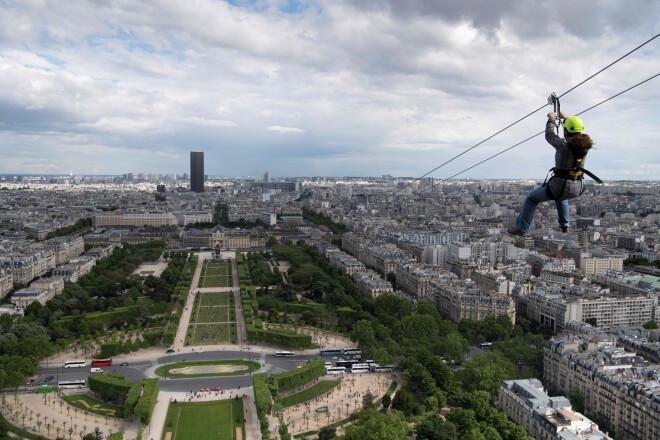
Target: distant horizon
317	177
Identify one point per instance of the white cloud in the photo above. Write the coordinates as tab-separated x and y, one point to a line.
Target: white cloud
281	129
376	87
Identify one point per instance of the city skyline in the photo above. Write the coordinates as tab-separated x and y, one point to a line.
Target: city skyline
321	88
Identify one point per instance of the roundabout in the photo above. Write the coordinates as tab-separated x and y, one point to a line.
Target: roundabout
212	368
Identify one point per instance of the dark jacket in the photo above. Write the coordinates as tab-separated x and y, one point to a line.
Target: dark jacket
562	189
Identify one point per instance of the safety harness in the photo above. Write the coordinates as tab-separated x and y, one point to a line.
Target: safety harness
577	172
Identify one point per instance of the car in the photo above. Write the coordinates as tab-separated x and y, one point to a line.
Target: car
123	364
49	378
215	389
169	350
203	390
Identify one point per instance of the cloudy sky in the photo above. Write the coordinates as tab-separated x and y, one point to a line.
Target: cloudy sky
321	87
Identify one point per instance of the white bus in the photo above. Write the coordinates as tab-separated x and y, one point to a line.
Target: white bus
375	368
359	370
352	351
359	366
335	370
75	364
285	354
71	384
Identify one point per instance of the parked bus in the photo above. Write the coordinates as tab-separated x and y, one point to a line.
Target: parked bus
335	370
71	384
330	352
285	354
375	368
352	351
359	368
75	364
346	363
101	362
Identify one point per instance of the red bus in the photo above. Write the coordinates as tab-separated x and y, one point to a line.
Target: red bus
101	362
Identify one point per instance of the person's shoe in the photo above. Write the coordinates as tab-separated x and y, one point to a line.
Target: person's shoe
518	232
564	229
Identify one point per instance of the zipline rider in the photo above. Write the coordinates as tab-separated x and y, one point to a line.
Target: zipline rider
567	180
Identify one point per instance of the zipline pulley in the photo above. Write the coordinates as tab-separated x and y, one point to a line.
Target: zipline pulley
553	100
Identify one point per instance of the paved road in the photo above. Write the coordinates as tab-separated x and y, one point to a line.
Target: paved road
138	370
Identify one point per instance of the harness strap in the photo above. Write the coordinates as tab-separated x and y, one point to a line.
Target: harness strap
592	175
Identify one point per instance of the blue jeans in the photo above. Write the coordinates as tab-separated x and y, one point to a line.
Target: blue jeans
538	195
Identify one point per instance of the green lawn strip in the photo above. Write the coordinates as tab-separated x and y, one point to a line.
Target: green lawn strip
215	299
163	370
208	334
217	281
205	420
92	405
18	431
217	270
212	314
318	389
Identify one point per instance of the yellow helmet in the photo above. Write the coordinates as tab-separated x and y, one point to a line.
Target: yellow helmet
574	124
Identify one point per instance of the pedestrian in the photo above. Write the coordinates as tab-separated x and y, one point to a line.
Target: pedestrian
567	180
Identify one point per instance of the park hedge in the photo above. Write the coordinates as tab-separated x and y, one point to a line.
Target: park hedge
131	399
147	401
299	308
110	349
169	335
153	335
262	396
278	337
119	314
111	386
263	400
293	379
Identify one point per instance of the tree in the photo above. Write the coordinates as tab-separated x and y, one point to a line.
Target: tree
380	356
327	433
363	333
592	321
651	325
487	372
391	425
368	400
453	346
422	328
432	428
387	401
404	401
464	419
576	398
